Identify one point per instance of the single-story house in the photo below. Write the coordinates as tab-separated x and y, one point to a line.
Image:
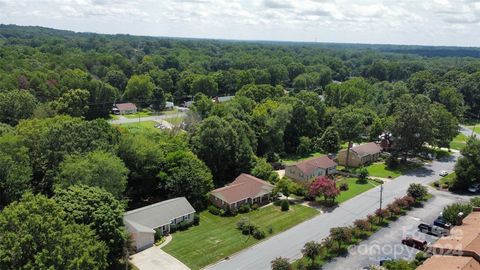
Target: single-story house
306	170
360	155
169	105
246	189
142	223
222	99
124	108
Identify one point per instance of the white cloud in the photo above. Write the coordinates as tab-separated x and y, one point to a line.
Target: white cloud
450	22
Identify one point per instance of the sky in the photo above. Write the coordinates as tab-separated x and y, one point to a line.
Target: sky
421	22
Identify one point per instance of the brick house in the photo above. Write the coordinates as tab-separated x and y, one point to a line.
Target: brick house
360	155
306	170
246	189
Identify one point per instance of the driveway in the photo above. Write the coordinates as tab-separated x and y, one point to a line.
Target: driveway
289	243
155	259
386	242
156	118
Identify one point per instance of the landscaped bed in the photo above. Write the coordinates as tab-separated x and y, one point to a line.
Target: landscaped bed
355	187
217	237
381	170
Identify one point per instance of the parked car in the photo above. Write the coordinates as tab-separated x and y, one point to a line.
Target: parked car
414	243
474	188
433	230
443	173
441	222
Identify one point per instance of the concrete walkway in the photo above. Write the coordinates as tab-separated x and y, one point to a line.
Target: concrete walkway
289	243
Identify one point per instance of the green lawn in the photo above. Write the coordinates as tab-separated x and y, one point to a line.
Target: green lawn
354	188
446	180
292	159
141	126
217	237
139	114
381	170
459	142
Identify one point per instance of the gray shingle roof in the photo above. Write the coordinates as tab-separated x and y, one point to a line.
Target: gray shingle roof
150	217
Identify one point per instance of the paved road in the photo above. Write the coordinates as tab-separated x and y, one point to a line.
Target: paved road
289	243
468	132
386	242
156	118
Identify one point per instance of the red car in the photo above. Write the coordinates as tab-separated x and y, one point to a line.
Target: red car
414	243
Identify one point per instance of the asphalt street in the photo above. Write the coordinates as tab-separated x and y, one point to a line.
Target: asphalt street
289	243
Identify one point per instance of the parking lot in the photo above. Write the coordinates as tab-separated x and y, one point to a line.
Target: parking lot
387	241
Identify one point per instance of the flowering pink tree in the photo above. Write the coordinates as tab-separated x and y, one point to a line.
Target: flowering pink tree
324	186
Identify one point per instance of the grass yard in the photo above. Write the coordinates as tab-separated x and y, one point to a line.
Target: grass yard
292	159
459	142
141	126
381	170
217	237
354	188
139	114
446	181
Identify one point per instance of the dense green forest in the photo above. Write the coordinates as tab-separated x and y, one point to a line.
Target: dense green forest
64	165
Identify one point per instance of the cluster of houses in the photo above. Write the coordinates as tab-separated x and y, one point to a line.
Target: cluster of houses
145	222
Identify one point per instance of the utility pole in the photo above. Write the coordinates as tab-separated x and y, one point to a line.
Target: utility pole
381	195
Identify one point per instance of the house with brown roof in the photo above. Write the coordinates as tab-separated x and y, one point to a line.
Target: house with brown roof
437	262
124	108
306	170
246	189
460	249
360	155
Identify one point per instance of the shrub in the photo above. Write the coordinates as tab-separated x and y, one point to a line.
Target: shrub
254	206
451	212
258	234
409	200
248	229
183	225
277	202
244	208
214	210
363	175
475	202
285	206
230	212
196	219
401	202
417	191
280	264
343	186
382	213
270	229
363	224
242	222
436	184
394	209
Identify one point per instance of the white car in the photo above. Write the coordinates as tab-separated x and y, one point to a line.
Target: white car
443	173
474	188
